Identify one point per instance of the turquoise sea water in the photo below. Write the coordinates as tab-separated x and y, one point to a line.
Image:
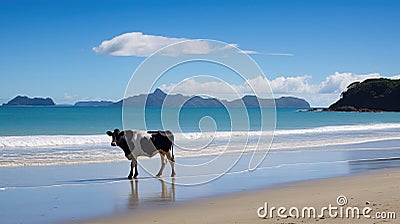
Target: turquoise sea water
25	121
62	135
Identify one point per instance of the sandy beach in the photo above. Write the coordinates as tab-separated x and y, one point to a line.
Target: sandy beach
101	192
378	190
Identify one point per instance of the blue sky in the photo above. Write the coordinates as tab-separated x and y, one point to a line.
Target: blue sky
47	46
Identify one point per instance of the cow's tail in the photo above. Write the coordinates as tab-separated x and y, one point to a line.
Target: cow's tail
172	150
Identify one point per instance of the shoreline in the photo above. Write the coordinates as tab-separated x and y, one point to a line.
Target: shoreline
375	189
105	154
86	192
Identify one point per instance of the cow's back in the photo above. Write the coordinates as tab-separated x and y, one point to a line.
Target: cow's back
140	143
162	140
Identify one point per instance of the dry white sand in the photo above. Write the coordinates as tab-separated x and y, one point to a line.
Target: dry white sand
379	190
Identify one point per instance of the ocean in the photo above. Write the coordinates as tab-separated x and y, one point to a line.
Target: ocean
57	164
76	135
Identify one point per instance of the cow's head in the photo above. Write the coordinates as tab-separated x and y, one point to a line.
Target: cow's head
117	137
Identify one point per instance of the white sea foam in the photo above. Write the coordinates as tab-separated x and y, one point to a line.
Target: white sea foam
340	128
69	149
77	140
52	140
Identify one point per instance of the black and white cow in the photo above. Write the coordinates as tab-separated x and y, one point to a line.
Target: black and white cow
137	143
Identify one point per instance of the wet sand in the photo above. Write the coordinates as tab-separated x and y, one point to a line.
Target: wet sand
378	190
101	193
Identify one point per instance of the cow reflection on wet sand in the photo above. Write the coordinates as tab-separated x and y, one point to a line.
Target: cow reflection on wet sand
167	194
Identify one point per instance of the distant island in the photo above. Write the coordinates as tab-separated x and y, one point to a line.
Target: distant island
371	95
26	101
160	99
93	103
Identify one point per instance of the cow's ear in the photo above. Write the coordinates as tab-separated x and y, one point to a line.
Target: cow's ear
109	133
122	133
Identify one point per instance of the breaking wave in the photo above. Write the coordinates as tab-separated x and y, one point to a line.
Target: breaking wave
72	149
93	140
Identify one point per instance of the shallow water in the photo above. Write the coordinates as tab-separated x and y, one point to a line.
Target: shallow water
47	194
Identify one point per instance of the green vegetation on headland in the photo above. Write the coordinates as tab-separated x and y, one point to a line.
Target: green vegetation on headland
371	95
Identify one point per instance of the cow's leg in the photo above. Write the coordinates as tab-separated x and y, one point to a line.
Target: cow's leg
131	173
136	170
133	166
171	162
163	162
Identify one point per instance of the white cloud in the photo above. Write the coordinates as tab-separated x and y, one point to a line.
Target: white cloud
395	77
219	89
143	45
215	89
338	82
318	94
333	84
298	84
134	44
280	85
